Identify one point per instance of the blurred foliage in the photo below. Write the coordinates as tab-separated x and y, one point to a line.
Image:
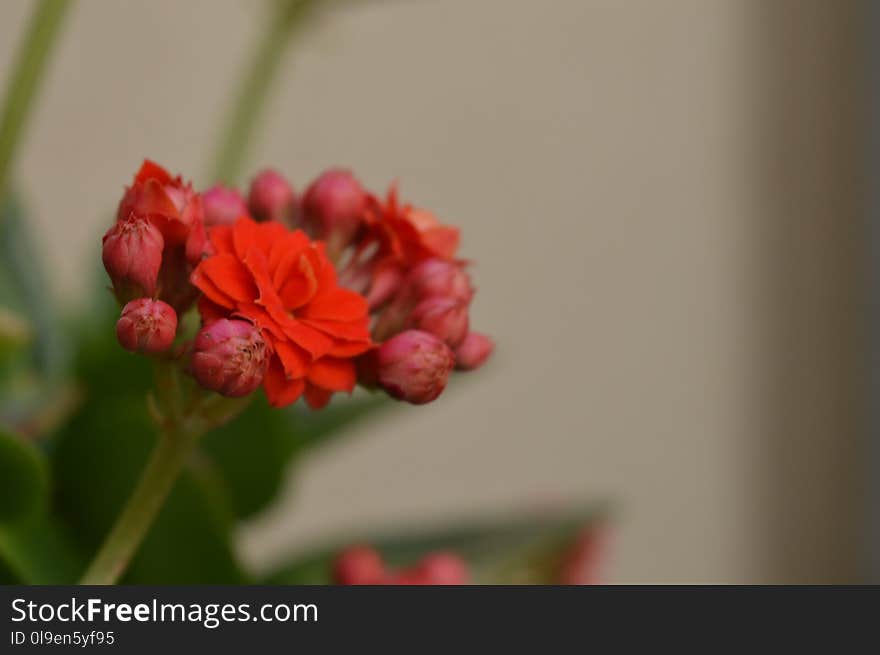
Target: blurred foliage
519	550
23	479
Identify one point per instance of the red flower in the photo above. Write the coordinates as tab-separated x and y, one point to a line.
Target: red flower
284	284
169	204
398	237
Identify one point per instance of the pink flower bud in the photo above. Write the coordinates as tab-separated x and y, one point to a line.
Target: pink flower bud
358	565
439	277
441	569
473	352
333	209
229	357
271	198
146	326
132	256
222	205
414	366
446	318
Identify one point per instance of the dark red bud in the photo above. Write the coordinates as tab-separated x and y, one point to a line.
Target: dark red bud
146	326
132	255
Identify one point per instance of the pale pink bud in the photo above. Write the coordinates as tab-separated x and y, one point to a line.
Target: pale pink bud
446	318
132	255
358	565
223	205
414	366
439	277
333	209
271	198
229	357
473	352
146	326
442	569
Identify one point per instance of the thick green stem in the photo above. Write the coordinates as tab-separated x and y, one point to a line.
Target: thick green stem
254	87
152	490
24	81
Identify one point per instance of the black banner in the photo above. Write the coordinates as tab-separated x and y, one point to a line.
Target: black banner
145	619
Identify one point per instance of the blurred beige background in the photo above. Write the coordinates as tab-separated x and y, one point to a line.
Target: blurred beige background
659	197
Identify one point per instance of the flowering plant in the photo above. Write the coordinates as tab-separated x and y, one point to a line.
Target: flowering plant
244	328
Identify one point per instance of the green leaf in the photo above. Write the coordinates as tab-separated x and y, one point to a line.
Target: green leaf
518	550
253	452
38	551
318	428
24	287
15	332
23	479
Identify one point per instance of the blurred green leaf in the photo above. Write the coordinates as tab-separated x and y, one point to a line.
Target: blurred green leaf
38	551
33	547
25	288
253	452
23	479
521	550
15	332
312	429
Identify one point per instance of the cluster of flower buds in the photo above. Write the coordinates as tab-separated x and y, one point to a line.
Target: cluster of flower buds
305	295
404	262
149	253
363	565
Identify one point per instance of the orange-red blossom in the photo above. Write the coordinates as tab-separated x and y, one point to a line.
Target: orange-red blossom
284	284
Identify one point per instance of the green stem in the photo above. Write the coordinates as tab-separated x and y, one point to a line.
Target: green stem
254	88
157	480
24	81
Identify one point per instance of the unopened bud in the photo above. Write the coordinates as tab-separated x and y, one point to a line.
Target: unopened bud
439	277
146	326
333	209
132	255
473	352
358	565
271	198
445	318
229	357
414	366
222	205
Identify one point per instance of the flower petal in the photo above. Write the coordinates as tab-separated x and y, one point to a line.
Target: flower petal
336	304
279	390
211	290
349	331
294	359
307	337
316	397
230	276
221	237
349	348
299	285
333	374
244	236
151	170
